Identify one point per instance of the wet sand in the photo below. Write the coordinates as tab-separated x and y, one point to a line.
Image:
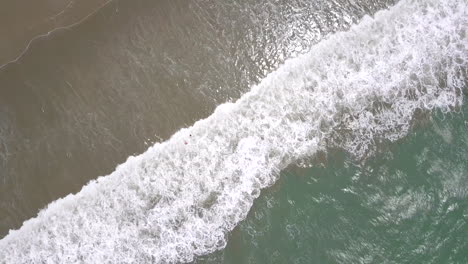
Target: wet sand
21	21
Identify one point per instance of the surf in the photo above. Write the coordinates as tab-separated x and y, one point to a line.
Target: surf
181	198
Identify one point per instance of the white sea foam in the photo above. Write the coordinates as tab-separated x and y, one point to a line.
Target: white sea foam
177	200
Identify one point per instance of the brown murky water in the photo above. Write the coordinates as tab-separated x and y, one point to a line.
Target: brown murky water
81	100
22	21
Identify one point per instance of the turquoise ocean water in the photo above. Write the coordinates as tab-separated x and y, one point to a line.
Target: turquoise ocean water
407	204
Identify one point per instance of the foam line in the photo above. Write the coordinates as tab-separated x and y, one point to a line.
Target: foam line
177	201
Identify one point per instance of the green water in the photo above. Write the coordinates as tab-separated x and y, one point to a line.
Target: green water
408	204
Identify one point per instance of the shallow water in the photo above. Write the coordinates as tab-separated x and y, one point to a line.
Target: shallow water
22	21
80	102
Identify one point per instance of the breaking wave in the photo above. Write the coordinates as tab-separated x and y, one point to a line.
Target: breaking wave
180	198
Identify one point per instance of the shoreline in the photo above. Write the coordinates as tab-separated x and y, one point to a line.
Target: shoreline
13	55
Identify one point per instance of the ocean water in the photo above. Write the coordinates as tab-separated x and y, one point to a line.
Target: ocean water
354	151
406	204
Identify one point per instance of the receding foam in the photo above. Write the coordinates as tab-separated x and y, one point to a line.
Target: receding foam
177	201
